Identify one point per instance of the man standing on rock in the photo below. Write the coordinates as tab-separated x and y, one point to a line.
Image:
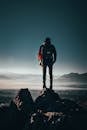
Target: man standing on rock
47	57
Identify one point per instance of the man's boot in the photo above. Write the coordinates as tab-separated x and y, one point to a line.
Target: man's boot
44	85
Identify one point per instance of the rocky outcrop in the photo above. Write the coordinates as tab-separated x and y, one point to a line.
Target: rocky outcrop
15	115
24	101
47	100
48	112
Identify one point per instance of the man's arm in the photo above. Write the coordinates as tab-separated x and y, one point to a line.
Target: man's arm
55	54
40	53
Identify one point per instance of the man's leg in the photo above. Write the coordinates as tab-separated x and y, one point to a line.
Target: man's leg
44	76
51	76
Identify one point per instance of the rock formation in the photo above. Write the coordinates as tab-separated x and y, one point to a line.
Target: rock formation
47	112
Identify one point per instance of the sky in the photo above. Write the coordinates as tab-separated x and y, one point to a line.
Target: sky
24	25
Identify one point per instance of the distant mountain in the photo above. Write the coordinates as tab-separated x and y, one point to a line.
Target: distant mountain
73	77
15	76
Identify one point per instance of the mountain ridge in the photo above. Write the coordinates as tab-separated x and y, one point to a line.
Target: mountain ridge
73	77
70	77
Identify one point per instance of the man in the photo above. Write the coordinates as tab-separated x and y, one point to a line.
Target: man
47	57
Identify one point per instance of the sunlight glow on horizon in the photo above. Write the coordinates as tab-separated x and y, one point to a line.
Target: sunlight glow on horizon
37	71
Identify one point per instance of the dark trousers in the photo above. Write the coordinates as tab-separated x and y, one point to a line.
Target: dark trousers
50	74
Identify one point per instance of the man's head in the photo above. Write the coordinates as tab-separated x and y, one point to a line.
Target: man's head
47	40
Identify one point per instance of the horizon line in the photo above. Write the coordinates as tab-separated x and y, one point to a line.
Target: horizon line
10	72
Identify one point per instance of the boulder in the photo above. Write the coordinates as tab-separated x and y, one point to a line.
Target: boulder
22	106
15	115
46	99
24	101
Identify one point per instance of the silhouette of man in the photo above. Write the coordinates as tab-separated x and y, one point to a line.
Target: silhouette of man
47	57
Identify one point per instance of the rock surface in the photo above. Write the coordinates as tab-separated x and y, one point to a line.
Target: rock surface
47	112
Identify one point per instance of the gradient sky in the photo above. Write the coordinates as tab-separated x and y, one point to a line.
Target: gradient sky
24	24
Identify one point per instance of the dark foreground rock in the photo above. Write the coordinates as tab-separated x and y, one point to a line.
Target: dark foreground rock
47	112
15	115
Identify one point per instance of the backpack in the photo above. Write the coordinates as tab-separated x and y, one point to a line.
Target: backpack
45	55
